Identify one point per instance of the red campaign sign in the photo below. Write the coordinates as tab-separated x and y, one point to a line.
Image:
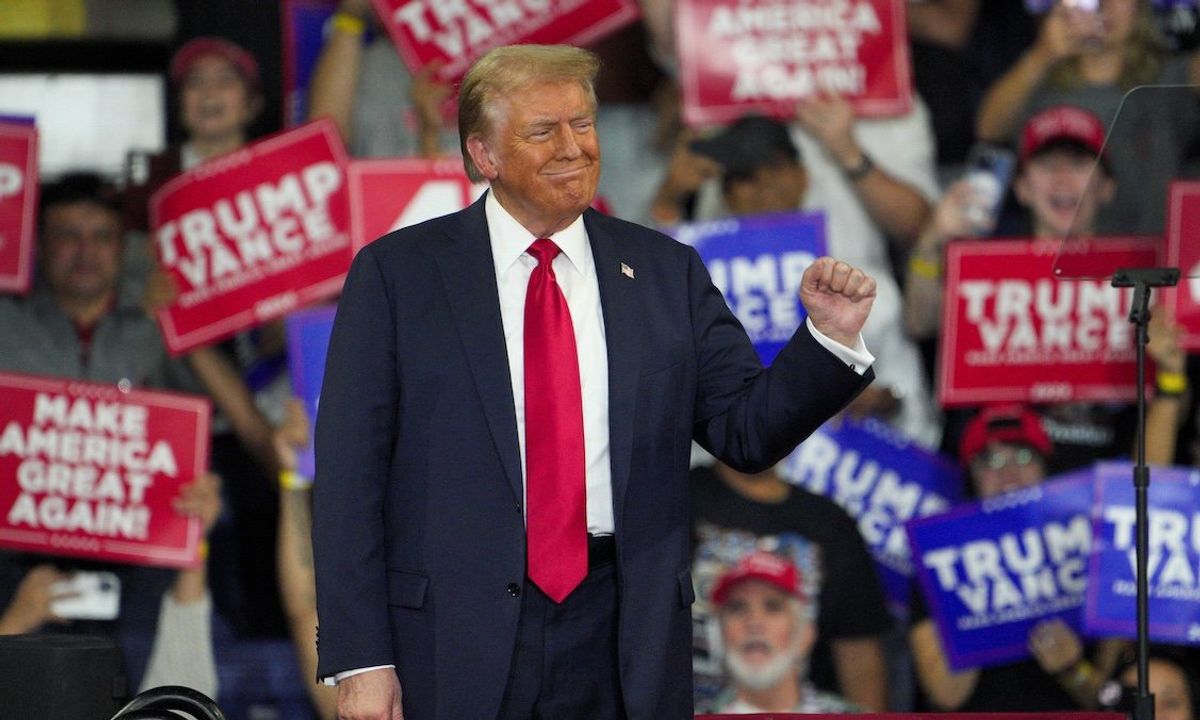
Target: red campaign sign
18	205
1183	252
386	195
763	56
1012	332
458	32
92	470
254	234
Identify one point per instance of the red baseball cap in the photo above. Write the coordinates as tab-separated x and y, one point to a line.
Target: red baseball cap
186	56
1011	424
768	567
1062	123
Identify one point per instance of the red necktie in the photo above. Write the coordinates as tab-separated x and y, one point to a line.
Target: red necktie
556	500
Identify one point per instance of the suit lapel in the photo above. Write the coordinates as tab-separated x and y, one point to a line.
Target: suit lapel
619	301
469	275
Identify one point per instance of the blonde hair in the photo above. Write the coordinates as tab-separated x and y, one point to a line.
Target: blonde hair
506	70
1142	61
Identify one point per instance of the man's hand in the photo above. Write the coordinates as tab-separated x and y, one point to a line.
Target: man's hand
686	172
830	119
373	695
360	8
30	607
1067	32
838	298
202	499
1164	347
161	290
291	437
1055	646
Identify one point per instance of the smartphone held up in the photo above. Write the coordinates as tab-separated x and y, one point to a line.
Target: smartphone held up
989	172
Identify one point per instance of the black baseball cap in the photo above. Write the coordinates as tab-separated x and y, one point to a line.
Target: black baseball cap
750	143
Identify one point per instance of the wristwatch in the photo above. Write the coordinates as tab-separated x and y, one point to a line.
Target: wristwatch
860	169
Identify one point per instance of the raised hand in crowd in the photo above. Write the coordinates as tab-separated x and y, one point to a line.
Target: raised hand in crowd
955	216
183	647
687	171
947	23
1066	32
895	206
830	119
334	82
1165	411
1061	654
292	435
429	96
1164	347
30	607
659	18
359	8
220	377
161	290
294	555
1055	646
200	499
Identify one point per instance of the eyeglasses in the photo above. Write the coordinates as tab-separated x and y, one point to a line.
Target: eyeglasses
999	459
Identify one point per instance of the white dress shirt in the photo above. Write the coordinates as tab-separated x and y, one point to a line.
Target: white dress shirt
575	271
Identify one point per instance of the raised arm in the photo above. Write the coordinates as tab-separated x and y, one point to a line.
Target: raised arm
948	23
294	556
1061	37
334	80
749	418
923	285
897	207
945	688
1165	411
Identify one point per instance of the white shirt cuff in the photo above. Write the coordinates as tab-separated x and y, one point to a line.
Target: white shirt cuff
351	673
857	357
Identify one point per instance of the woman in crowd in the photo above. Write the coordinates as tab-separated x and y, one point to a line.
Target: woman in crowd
1092	58
1005	448
1172	682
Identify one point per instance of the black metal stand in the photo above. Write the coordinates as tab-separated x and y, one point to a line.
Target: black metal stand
161	703
1141	280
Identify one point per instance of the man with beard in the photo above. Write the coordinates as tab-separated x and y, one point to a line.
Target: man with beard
767	631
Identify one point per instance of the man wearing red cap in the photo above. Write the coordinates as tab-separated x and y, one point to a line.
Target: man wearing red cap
767	631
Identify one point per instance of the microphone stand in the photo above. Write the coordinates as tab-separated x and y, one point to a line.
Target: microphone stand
1141	280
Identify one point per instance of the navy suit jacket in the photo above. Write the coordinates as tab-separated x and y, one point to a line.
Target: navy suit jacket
418	530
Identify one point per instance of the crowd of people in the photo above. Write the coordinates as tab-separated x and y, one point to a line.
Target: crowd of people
791	616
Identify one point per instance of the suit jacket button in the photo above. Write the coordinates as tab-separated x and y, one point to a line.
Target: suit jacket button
514	590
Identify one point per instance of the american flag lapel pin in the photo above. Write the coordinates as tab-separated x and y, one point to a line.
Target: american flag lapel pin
626	271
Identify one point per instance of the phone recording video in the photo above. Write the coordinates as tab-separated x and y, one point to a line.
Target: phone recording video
989	172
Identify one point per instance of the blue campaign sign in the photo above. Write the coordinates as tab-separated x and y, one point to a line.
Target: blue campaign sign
882	479
992	570
756	262
308	342
1173	562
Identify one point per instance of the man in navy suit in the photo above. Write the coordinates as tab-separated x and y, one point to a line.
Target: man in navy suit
501	505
